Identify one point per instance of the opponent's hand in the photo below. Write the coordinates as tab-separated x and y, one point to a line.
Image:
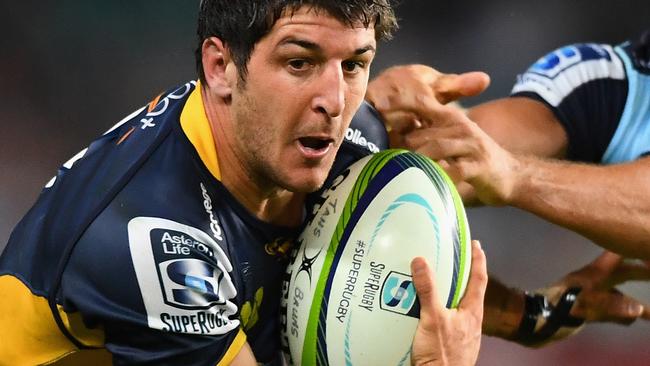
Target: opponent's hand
411	101
468	155
449	336
599	300
403	95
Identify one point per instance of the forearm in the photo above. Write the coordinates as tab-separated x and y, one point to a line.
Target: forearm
503	310
607	204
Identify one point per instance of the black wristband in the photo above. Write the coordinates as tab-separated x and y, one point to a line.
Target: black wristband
535	304
555	317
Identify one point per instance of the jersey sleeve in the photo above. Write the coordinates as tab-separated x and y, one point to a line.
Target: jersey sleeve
585	86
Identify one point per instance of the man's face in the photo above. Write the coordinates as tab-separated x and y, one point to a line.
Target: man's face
305	81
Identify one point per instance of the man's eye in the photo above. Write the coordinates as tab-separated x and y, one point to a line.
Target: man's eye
298	64
352	66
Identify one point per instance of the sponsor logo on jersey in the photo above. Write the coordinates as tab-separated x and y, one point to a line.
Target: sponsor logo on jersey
214	223
184	277
279	247
561	59
356	137
398	295
250	313
161	107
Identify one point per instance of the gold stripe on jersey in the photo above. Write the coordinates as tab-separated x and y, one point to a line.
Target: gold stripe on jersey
234	349
30	335
197	128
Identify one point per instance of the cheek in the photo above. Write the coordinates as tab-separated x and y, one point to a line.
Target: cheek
353	101
357	91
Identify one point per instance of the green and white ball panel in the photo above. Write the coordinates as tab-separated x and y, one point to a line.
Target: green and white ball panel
350	299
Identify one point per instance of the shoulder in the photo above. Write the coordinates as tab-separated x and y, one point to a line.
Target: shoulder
560	72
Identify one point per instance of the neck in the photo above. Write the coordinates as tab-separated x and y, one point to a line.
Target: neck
267	201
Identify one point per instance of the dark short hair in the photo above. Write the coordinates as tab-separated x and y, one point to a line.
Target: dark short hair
240	24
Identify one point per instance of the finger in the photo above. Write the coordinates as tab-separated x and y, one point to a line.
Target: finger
451	168
417	100
404	80
455	171
607	261
444	164
467	193
442	128
646	312
450	149
611	306
599	273
451	87
421	104
629	272
425	287
478	279
401	122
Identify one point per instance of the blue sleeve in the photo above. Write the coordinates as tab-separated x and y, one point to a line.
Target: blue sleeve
585	86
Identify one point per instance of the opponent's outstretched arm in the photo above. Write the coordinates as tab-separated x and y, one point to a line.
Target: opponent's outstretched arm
607	204
555	312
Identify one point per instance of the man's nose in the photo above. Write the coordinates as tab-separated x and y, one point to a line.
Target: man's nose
330	93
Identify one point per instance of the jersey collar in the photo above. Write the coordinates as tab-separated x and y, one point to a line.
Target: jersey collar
196	127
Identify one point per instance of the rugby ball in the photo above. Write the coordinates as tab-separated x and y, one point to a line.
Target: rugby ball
348	295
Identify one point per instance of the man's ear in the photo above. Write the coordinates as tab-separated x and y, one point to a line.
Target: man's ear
217	66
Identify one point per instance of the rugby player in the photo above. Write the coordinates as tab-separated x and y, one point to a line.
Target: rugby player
163	242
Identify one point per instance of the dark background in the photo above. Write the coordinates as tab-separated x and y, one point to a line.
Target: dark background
70	69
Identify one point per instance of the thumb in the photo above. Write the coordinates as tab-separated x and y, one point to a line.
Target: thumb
450	87
425	287
477	284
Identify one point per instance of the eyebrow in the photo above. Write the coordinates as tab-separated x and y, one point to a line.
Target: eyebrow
315	47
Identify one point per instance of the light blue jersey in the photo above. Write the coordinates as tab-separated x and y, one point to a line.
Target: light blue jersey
600	94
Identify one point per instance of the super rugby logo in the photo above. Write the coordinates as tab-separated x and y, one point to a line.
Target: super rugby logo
184	277
398	295
190	280
193	283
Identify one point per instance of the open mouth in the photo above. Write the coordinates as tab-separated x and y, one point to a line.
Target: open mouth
314	143
315	147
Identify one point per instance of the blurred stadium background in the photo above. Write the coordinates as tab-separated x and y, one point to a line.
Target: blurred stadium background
70	69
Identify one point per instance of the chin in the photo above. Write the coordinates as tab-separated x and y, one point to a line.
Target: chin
306	186
305	183
305	178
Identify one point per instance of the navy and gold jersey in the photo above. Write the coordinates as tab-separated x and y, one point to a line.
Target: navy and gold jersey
135	253
600	95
